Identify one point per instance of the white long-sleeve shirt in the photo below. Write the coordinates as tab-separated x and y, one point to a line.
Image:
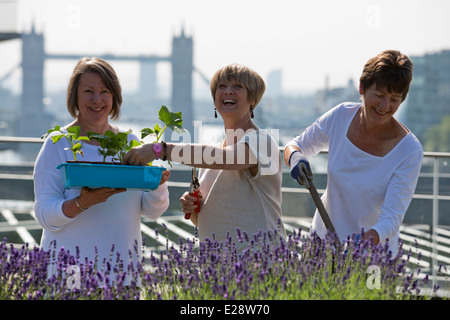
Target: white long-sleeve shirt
363	190
114	222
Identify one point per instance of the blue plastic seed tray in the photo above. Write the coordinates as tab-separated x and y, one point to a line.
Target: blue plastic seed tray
93	175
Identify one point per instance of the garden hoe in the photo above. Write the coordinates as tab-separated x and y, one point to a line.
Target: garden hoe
322	211
320	207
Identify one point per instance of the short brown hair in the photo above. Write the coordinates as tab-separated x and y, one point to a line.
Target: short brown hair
250	79
390	69
109	77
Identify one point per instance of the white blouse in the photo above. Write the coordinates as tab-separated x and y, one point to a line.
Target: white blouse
363	191
111	224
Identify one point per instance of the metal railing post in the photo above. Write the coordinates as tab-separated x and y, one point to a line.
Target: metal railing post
435	221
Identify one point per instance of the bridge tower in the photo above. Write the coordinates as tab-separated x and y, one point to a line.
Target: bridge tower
182	69
33	121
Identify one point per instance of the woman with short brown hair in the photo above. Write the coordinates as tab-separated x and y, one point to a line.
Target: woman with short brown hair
96	222
108	76
373	160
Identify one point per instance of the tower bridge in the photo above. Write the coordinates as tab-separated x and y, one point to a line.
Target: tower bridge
138	58
34	57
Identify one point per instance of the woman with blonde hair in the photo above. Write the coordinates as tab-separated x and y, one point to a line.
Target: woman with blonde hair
240	177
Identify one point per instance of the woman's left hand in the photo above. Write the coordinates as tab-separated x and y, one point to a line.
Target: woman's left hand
372	235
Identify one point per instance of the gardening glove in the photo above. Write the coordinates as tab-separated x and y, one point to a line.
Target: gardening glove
300	169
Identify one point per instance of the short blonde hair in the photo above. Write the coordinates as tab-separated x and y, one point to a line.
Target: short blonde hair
251	80
109	77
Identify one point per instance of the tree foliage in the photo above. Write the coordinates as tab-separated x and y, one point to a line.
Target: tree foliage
438	136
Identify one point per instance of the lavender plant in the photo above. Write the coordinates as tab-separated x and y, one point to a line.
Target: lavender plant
39	274
267	268
300	268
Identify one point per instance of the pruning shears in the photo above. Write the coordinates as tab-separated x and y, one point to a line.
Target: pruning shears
193	192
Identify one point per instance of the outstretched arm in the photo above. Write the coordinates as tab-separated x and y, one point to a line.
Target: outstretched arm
234	157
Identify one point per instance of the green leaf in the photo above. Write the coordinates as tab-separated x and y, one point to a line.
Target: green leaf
55	139
111	152
83	138
56	128
111	134
171	119
122	137
75	131
132	144
111	144
77	147
95	135
157	129
146	132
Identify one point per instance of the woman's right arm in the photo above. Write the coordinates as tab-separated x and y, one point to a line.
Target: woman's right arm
288	150
53	207
234	157
309	143
48	186
87	198
312	140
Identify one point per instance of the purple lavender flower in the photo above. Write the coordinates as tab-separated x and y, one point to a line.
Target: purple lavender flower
213	270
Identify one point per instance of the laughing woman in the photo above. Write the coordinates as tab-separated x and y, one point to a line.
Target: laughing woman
240	177
373	160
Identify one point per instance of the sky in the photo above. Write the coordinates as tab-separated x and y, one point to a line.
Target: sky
307	40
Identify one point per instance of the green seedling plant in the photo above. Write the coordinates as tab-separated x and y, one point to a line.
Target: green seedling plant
76	141
172	120
113	144
116	145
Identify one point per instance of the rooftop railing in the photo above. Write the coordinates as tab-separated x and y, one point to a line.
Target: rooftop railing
426	226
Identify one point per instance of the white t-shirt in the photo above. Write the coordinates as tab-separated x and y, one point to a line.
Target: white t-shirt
95	231
234	199
363	190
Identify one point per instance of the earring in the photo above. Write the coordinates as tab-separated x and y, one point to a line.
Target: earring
251	112
215	113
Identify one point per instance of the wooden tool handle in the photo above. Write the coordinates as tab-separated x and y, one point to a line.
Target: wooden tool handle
319	204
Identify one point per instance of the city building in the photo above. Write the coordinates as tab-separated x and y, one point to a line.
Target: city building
274	87
429	95
328	98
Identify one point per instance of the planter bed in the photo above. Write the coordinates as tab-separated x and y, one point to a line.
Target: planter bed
97	175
